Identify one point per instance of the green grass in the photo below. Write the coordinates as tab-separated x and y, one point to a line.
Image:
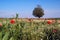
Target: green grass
22	30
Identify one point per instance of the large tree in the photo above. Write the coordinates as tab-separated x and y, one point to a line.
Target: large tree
38	11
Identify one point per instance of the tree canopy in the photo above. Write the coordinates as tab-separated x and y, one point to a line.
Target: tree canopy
38	11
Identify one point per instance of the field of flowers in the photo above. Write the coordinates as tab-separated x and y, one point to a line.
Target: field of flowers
13	29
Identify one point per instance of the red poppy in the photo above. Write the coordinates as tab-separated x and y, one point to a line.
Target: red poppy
49	22
12	21
0	24
54	31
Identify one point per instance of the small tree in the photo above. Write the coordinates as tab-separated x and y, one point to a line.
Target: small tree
38	11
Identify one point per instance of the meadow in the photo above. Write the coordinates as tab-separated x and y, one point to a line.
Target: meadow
29	29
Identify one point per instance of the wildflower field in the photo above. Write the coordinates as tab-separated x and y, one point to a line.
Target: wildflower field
15	29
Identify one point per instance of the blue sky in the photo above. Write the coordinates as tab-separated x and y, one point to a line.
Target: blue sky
8	8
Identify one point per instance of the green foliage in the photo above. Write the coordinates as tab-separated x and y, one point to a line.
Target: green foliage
0	35
12	38
6	36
